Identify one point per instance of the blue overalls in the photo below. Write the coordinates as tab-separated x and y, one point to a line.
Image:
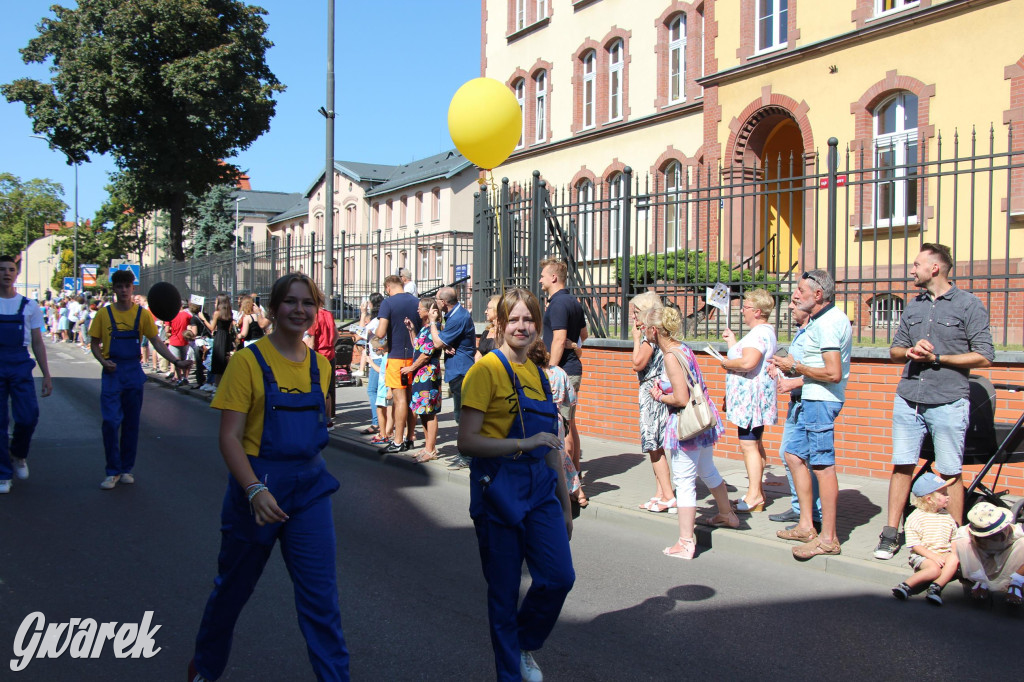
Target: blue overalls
121	397
18	386
290	464
517	516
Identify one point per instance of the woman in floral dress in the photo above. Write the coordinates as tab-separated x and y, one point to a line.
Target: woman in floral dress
750	391
425	388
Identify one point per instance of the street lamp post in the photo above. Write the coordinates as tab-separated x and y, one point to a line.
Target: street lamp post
234	275
71	160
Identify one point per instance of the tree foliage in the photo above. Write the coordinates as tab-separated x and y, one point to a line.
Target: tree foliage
169	88
690	268
213	228
27	204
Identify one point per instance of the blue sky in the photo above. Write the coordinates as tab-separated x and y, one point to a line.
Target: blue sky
397	65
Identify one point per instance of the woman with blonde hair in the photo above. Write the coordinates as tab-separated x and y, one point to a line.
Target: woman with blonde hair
648	363
750	390
691	457
251	323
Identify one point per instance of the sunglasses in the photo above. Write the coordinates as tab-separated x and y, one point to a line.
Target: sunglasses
814	279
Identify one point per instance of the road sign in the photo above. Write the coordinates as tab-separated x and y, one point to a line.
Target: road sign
116	265
89	274
461	272
72	284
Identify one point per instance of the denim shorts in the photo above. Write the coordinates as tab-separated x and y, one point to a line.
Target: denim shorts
810	431
947	425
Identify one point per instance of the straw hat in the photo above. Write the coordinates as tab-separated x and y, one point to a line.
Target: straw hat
987	519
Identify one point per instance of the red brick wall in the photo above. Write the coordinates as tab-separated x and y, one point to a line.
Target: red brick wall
608	409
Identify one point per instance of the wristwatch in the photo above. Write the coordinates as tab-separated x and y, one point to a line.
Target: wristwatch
935	363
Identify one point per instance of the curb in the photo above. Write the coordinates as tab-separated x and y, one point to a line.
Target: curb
726	539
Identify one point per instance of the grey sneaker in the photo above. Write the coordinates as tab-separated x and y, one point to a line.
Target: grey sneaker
20	468
109	482
901	591
461	462
934	594
5	486
127	479
528	668
888	543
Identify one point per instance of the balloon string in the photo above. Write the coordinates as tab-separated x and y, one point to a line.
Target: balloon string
497	219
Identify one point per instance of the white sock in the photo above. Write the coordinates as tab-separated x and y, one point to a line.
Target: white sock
1017	579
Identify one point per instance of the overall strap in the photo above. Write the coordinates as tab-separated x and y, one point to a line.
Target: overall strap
515	380
138	316
21	308
113	322
268	374
314	373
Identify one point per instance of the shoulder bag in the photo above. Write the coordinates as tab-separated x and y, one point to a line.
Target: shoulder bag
695	417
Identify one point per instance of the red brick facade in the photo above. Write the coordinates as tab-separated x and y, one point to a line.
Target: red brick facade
691	91
601	50
608	409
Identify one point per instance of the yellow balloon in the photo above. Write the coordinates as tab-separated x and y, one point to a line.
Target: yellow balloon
485	121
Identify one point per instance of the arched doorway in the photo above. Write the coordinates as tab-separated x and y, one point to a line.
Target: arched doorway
769	156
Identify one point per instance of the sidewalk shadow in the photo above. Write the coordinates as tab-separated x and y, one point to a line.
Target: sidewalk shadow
594	470
855	510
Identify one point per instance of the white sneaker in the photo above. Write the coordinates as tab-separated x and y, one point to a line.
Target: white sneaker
20	468
109	482
127	479
5	486
528	668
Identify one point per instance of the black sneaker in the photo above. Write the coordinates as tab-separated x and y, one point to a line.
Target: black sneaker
788	516
934	595
394	447
408	445
888	543
902	592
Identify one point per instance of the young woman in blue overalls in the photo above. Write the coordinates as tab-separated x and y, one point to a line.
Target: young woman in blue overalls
518	499
273	427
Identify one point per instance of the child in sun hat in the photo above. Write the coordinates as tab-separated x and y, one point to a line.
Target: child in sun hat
991	552
930	531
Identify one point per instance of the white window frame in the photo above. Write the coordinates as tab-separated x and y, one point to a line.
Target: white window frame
616	213
898	143
673	175
585	218
520	17
677	60
616	60
542	9
424	265
438	263
541	107
589	86
520	90
898	6
777	18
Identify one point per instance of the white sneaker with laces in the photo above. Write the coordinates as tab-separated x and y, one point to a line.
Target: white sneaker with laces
5	486
528	668
127	479
109	482
20	468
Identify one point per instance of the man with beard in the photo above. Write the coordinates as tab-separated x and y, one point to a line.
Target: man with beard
943	335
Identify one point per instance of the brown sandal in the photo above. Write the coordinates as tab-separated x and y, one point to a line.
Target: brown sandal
797	534
811	549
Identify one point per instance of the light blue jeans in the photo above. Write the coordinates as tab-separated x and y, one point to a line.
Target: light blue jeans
372	378
947	424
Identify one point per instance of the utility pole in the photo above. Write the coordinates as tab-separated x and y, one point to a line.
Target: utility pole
328	113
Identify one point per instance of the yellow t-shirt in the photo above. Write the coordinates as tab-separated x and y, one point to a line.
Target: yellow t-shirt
488	388
125	320
241	387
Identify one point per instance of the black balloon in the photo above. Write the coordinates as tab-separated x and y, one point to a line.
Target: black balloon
164	301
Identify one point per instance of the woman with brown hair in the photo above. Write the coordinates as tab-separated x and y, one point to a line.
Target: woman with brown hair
221	326
251	323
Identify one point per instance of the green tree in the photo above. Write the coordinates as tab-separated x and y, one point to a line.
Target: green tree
27	204
213	228
169	88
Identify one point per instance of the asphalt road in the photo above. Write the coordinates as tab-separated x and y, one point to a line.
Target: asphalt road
412	596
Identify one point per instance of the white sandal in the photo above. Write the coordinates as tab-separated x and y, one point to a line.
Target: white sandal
649	503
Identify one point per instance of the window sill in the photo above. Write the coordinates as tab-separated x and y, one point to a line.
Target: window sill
882	16
882	230
527	30
769	50
580	4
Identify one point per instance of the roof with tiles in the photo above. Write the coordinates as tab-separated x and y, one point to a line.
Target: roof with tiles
271	203
299	208
443	165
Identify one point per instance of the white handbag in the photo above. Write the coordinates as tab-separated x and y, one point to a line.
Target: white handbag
695	417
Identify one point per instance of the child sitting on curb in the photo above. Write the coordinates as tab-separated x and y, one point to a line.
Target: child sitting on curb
930	530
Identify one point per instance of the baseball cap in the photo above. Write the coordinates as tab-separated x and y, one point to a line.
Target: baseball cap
927	484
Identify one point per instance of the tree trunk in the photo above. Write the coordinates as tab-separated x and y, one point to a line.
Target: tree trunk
177	226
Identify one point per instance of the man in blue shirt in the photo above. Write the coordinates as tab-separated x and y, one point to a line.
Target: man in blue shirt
458	339
398	307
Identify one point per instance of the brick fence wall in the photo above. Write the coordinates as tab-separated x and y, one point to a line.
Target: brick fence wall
608	409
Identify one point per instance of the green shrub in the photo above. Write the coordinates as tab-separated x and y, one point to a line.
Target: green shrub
689	268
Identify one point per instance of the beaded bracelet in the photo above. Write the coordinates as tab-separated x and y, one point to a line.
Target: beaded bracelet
255	490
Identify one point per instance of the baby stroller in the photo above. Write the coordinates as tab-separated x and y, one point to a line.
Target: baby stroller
343	348
989	443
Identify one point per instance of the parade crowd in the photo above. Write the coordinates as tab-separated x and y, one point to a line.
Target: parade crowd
514	392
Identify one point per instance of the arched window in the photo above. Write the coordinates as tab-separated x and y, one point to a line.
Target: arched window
439	263
585	218
613	312
375	213
895	122
589	87
616	210
673	176
403	212
424	266
435	204
541	112
350	218
886	310
520	89
615	81
418	208
677	59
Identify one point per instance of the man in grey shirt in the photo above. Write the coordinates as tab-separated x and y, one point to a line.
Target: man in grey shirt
942	336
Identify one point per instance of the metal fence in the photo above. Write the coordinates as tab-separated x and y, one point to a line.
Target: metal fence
861	214
434	259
